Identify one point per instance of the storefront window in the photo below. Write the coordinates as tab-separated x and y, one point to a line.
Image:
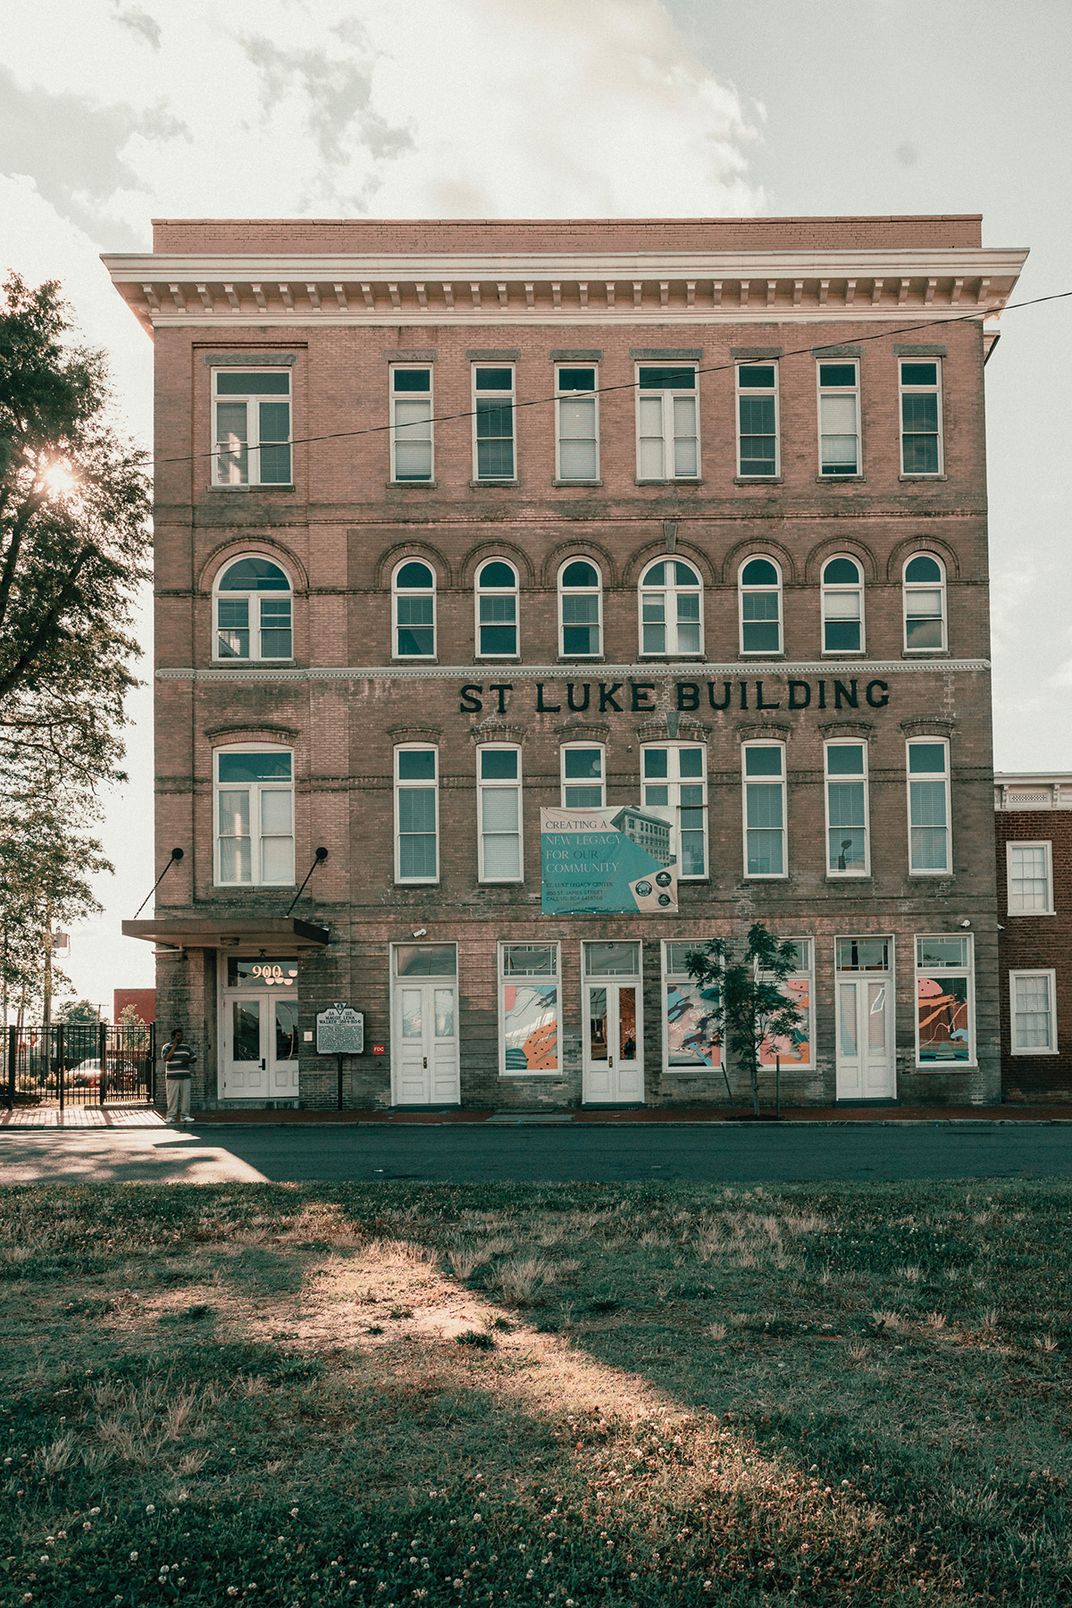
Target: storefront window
944	1002
529	1008
690	1034
796	1049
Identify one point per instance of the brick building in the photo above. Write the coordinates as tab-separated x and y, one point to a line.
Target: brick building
684	520
1034	874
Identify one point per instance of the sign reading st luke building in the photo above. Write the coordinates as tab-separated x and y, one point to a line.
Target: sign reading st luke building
617	861
758	695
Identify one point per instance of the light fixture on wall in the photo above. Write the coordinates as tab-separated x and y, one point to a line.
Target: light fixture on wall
965	922
420	932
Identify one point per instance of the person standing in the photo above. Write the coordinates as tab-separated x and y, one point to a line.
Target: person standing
178	1059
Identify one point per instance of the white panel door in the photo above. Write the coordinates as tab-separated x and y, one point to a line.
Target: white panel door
865	1040
613	1054
244	1065
424	1049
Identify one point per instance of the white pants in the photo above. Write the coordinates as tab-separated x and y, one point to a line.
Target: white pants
178	1098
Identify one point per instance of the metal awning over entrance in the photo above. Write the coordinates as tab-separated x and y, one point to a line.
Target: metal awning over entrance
283	933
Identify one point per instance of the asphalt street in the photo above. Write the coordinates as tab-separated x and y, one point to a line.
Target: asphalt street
723	1153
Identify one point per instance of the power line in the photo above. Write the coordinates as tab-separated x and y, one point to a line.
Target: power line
633	385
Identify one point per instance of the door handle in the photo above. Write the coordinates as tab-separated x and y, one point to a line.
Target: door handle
424	1063
610	1060
264	1063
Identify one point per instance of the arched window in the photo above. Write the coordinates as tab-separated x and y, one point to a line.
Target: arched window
761	606
580	610
413	603
671	609
253	611
254	808
843	606
924	604
496	610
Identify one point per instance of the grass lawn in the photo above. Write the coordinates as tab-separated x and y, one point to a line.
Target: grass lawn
568	1395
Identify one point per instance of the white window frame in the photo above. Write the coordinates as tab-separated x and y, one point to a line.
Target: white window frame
252	400
930	776
676	975
595	591
764	781
753	391
522	977
511	784
667	395
1029	843
401	785
904	390
673	782
1051	1047
507	399
514	591
822	391
864	870
573	781
826	589
415	591
575	396
766	589
253	598
670	593
966	970
395	397
256	835
912	588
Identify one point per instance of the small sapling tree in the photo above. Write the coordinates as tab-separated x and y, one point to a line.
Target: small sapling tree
750	1005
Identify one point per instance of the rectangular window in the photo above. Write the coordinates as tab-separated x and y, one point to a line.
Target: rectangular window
797	1048
416	814
1029	868
668	441
945	1001
1033	1012
690	1037
254	818
757	420
577	424
493	422
583	776
839	418
921	417
499	813
676	776
411	423
530	1009
251	424
863	954
847	838
764	809
929	837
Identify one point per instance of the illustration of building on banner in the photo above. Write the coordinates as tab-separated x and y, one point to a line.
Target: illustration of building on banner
618	861
648	831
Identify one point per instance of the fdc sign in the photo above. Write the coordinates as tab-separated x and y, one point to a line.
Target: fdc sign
608	862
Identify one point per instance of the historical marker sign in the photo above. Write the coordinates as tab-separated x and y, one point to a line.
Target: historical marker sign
340	1030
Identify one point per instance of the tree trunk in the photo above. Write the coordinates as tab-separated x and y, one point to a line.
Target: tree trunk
755	1084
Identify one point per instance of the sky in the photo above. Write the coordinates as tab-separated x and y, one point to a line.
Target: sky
116	111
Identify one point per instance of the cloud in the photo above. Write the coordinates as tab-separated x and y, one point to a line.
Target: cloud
139	22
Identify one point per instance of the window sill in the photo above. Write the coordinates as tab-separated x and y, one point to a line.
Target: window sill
1025	915
843	653
413	485
1035	1053
417	882
564	485
780	876
839	480
289	486
514	1077
925	653
923	477
483	485
931	876
256	664
946	1066
758	480
412	658
684	480
762	655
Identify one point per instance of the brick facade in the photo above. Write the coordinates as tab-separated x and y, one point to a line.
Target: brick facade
293	295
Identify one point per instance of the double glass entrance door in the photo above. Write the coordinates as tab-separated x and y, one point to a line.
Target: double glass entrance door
866	1068
613	1038
259	1059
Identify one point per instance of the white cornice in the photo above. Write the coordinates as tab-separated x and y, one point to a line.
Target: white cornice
509	673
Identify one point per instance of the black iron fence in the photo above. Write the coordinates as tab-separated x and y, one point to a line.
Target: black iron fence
79	1063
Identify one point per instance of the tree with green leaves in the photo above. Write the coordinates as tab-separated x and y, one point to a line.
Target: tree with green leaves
746	987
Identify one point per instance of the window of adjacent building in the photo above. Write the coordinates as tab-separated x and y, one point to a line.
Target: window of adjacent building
690	1036
763	770
580	600
493	422
847	845
1029	868
929	836
843	606
499	812
253	611
530	1009
584	785
668	442
1033	1012
413	595
921	417
757	420
924	604
254	817
839	418
945	1001
577	424
760	590
674	775
251	423
671	609
416	813
411	422
797	1048
497	610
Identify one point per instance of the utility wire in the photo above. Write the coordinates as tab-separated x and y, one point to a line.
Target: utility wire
630	385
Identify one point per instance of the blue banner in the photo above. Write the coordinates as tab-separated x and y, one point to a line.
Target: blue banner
617	861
